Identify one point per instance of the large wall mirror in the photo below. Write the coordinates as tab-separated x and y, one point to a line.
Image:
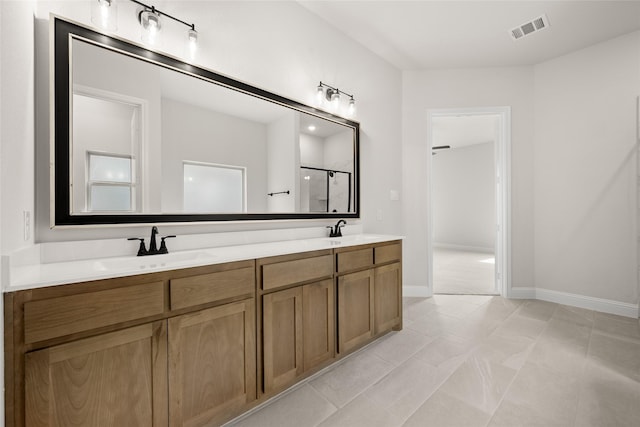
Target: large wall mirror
141	137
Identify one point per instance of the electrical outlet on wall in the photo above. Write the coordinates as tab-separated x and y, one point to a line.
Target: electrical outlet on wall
26	216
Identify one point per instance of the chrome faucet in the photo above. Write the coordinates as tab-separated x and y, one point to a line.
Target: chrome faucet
336	231
153	248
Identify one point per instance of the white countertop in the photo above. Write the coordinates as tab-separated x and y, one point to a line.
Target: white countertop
57	273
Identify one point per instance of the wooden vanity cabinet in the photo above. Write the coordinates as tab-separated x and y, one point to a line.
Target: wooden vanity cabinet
112	379
195	346
369	282
163	349
298	317
211	364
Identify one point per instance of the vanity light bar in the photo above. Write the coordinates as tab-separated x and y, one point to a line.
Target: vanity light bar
332	94
192	34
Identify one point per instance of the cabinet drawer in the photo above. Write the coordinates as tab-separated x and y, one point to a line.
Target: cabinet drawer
353	260
56	317
296	271
388	253
207	288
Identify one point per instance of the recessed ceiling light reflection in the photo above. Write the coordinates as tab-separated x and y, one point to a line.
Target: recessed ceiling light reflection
311	127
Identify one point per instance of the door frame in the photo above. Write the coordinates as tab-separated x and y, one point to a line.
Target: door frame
503	193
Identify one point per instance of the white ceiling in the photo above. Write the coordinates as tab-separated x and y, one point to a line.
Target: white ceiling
423	34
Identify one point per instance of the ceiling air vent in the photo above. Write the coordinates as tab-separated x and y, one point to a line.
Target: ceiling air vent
529	27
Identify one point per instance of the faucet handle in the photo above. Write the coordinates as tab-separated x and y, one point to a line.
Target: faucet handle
163	246
331	232
142	250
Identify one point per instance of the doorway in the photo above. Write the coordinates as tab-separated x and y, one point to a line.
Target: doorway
468	202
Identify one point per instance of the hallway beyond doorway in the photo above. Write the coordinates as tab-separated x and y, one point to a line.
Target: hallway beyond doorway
457	271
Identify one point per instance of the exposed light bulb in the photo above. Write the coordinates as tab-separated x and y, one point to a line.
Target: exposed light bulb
192	42
151	25
335	99
320	93
104	14
351	110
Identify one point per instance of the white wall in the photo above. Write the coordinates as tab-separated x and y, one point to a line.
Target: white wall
16	133
190	133
465	88
283	150
279	46
311	150
17	149
463	198
585	171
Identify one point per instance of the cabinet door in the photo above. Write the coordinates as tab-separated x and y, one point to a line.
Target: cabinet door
388	297
355	309
318	315
282	337
212	371
115	379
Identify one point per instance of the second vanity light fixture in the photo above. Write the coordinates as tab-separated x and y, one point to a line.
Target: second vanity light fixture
332	96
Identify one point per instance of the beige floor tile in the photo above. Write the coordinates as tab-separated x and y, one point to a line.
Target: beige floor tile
462	272
617	354
460	310
579	316
397	347
480	383
540	310
301	407
560	357
446	352
607	399
511	352
519	326
624	327
407	387
510	414
362	412
538	390
340	385
567	332
434	324
418	308
442	410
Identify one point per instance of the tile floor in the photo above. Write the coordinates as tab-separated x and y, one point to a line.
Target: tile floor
463	272
477	361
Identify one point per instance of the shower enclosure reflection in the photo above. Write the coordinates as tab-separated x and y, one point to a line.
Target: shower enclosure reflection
323	190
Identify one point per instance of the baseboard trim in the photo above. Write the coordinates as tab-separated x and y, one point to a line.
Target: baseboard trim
522	293
463	248
564	298
591	303
415	291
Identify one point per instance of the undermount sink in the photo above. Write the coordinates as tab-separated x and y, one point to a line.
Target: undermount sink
354	238
152	261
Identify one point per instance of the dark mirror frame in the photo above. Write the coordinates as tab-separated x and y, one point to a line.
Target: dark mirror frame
63	31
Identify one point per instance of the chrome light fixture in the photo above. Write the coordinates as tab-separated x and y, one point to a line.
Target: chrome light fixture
150	20
151	25
104	14
325	92
192	41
